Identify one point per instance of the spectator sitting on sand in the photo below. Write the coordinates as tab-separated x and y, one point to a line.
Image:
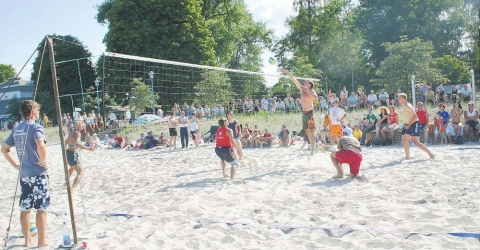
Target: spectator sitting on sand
117	142
128	144
162	140
284	137
255	139
95	141
267	139
357	133
106	142
89	142
245	138
150	140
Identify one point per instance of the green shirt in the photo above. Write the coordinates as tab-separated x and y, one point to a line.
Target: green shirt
372	117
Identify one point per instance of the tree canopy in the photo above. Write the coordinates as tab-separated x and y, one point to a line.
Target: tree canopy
341	39
72	75
407	58
171	30
441	21
141	98
6	71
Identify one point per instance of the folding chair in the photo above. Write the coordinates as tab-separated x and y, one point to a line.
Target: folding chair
210	135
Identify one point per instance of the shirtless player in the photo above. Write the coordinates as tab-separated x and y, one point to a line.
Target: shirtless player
307	95
172	129
411	130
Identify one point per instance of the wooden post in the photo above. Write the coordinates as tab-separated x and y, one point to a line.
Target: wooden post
62	139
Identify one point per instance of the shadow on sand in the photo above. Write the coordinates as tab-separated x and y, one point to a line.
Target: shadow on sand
194	184
258	177
195	173
333	182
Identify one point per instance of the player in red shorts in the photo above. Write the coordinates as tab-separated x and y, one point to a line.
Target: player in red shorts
349	152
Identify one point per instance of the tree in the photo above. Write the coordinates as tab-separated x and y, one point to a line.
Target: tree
171	30
214	88
300	68
327	36
406	58
91	100
239	39
70	80
141	98
455	70
48	107
440	21
6	71
14	109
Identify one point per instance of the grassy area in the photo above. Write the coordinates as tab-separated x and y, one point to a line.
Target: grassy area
263	120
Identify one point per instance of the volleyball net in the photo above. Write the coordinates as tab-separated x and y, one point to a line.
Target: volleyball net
175	82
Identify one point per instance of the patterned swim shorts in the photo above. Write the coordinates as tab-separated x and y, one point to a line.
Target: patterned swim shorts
35	192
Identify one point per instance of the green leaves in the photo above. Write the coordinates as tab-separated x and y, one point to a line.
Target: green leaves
70	80
406	58
171	30
215	88
141	97
6	71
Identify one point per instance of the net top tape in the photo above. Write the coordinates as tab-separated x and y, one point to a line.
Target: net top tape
139	58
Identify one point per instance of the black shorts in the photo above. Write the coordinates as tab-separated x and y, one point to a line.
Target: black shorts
306	116
35	192
225	154
173	131
472	124
72	158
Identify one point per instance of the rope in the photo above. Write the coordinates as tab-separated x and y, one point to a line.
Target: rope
79	44
13	80
81	192
38	77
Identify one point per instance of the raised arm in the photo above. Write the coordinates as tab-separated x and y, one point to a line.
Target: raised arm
297	83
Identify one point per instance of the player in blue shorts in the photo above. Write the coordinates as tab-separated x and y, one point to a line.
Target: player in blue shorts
411	130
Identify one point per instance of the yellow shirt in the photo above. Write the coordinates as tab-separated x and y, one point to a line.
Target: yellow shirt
357	134
45	120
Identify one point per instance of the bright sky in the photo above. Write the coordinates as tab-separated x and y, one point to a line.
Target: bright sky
25	23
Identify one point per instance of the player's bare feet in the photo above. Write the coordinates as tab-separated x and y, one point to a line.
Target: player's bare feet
43	244
338	176
359	177
29	242
225	175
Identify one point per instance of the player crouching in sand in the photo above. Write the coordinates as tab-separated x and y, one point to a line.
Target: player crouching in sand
349	152
224	141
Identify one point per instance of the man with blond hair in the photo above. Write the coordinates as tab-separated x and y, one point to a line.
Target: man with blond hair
411	129
28	138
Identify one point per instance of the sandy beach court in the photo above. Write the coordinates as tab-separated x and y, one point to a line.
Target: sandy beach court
177	200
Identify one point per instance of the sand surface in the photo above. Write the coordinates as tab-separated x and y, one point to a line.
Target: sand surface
177	200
